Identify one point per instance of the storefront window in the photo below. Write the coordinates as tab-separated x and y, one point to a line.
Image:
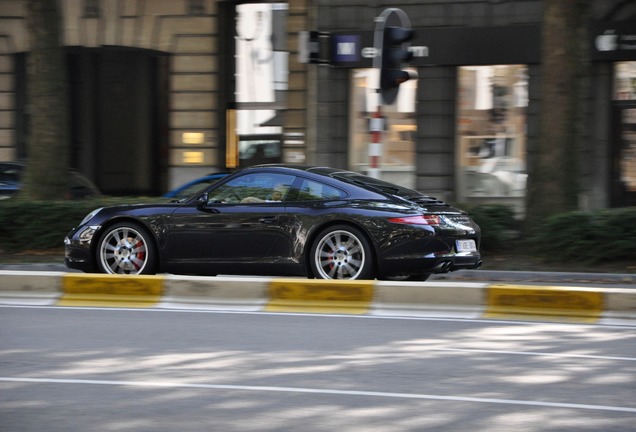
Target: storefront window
397	159
625	81
261	81
491	132
625	139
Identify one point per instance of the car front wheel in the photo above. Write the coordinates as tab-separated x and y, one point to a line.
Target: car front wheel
341	252
126	248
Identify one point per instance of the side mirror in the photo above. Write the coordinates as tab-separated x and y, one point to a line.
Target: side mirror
202	201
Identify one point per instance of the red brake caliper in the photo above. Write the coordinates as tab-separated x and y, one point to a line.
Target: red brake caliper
141	255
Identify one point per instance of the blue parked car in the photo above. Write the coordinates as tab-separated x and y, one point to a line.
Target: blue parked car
195	185
9	179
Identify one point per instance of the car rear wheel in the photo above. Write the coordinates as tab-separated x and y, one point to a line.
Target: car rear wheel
126	248
341	252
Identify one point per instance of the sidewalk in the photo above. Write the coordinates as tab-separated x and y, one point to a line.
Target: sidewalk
49	266
522	277
626	280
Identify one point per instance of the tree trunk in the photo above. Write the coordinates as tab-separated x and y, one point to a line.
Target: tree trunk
554	163
47	172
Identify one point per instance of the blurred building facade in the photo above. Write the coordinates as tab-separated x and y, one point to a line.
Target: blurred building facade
165	91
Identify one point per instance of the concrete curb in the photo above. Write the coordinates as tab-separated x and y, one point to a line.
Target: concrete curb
616	279
292	295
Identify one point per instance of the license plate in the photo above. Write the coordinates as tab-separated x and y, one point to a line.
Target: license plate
466	246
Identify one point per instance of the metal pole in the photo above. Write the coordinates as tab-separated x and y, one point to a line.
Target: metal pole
375	147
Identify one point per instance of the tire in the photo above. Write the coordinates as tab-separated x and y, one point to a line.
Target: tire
126	248
341	252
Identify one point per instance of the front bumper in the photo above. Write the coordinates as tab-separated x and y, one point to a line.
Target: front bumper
78	248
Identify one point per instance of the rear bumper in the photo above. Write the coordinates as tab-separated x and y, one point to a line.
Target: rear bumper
429	264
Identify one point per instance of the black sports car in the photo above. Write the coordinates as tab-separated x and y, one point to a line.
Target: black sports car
282	220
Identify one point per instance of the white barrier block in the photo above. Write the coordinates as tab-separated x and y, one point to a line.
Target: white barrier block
29	288
430	299
19	280
620	303
221	293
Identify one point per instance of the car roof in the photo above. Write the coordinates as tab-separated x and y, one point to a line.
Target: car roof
321	170
351	178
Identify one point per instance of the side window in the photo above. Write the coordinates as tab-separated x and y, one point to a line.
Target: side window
314	191
253	188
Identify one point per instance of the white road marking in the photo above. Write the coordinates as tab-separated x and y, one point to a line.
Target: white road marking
535	353
166	384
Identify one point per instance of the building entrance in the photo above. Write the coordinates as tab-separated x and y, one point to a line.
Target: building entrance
119	117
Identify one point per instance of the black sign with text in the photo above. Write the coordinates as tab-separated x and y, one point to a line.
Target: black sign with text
450	46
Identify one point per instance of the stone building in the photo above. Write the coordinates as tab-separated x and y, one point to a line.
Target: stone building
181	88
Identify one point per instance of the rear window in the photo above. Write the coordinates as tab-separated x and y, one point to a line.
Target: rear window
374	184
311	190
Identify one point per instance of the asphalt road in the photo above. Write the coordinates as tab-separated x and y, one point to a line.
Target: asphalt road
74	369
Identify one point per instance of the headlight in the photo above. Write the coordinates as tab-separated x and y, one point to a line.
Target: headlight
90	216
86	234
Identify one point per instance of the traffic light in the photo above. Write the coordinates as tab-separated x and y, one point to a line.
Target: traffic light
395	54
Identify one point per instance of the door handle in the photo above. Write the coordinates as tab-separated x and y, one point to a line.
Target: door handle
268	219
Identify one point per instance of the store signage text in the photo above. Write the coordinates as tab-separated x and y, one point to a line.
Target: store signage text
350	48
615	41
418	51
610	41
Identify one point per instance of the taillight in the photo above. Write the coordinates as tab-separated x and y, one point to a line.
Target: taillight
417	220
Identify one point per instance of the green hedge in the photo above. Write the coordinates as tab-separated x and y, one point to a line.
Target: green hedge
603	235
42	225
591	237
499	228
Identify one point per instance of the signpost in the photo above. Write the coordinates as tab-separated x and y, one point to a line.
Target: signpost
392	45
392	53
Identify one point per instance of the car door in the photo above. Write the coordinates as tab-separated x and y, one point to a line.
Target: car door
241	222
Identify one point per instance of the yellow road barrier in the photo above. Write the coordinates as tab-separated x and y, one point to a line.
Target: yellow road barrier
111	290
492	301
560	303
320	296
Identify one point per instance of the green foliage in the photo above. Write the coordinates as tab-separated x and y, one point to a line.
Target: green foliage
593	237
589	237
498	225
42	225
603	235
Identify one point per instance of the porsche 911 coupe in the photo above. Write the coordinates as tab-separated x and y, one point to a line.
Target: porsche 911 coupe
280	220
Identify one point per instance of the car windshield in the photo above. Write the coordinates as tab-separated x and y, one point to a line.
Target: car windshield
195	189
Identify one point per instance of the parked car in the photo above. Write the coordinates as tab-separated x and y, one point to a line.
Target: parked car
9	179
11	182
282	220
192	187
